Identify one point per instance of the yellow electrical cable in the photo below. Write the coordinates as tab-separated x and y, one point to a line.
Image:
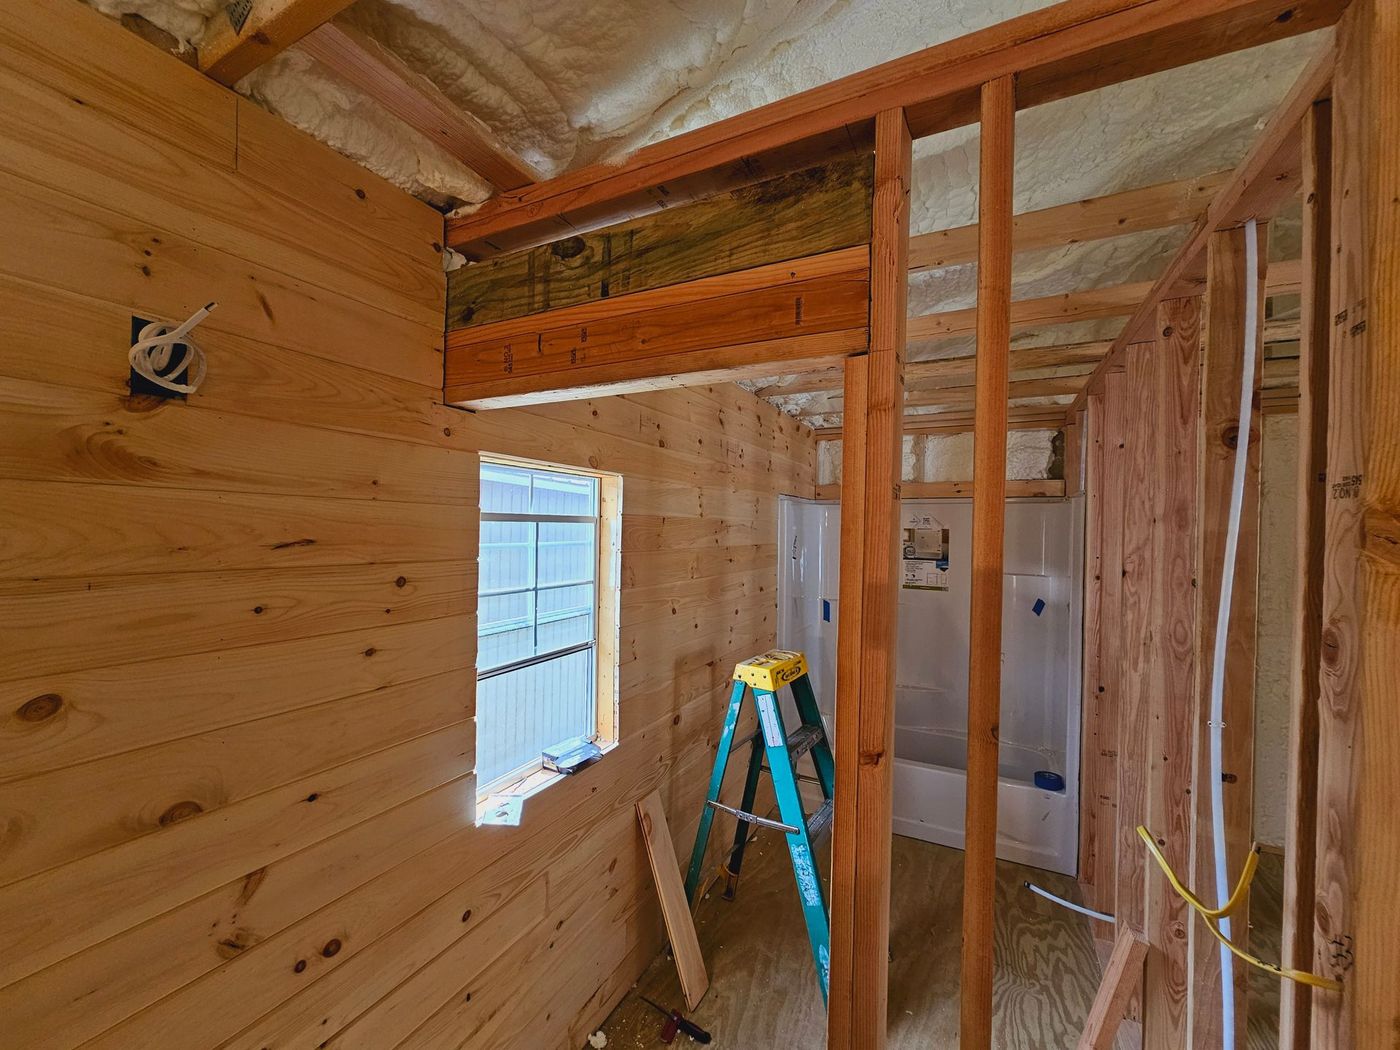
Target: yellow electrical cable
1209	915
1236	898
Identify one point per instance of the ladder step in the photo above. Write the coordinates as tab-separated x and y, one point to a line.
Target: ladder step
820	821
802	740
752	818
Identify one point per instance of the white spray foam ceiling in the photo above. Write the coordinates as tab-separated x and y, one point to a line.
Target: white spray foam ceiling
568	82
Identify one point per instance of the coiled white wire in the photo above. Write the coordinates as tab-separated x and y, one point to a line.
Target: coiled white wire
155	344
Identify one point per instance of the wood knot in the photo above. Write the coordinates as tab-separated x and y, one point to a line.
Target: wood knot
332	947
568	248
300	966
41	708
402	581
180	811
1331	646
1230	436
466	915
234	945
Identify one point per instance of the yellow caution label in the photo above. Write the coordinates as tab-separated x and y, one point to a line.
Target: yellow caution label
768	671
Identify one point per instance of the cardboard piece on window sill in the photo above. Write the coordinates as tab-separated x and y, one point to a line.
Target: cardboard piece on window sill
504	810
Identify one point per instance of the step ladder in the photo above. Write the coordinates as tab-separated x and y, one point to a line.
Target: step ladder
764	675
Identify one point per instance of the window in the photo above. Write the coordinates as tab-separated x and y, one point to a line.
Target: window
546	615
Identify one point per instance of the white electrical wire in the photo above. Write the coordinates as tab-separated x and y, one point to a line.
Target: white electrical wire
1055	899
150	354
1222	630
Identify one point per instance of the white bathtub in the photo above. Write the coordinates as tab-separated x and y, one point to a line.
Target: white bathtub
1034	827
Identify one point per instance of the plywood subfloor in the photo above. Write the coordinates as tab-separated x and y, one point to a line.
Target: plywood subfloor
763	993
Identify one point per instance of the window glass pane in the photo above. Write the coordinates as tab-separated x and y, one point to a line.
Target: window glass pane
522	712
537	596
566	552
564	494
505	490
506	631
507	558
565	616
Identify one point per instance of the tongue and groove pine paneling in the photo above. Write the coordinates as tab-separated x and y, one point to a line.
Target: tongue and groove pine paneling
237	633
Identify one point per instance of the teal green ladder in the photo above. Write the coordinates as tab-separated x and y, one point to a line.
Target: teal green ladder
764	675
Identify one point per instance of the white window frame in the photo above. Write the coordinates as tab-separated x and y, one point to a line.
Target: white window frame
607	535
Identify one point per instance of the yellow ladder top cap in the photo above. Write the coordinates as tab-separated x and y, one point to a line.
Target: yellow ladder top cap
768	671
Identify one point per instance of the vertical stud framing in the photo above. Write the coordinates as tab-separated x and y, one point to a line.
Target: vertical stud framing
988	542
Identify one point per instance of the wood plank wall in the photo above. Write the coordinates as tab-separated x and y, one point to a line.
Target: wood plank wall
237	635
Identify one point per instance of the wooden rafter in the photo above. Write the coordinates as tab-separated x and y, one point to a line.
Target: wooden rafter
1118	300
1131	211
229	53
418	102
1029	417
1268	176
1066	49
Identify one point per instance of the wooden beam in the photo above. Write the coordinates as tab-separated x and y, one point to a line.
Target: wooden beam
1300	851
791	312
964	396
1375	988
1172	694
1119	300
418	102
997	164
1121	980
1066	49
1136	571
810	212
1359	729
1029	417
1229	284
860	867
1269	175
1105	482
1049	487
955	370
1131	211
228	53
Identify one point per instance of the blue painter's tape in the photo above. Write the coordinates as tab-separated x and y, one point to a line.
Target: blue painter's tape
1047	780
826	611
1039	606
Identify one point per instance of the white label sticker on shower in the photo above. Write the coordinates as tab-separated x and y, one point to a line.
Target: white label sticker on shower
925	551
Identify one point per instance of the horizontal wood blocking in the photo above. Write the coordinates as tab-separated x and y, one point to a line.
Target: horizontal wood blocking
1053	487
1131	211
1028	417
1065	49
797	313
1118	300
806	213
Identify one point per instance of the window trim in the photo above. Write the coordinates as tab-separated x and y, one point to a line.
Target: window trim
607	598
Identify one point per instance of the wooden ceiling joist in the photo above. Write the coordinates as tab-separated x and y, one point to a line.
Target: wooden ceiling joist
1119	300
1063	50
1270	174
418	102
230	52
1027	417
1132	211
